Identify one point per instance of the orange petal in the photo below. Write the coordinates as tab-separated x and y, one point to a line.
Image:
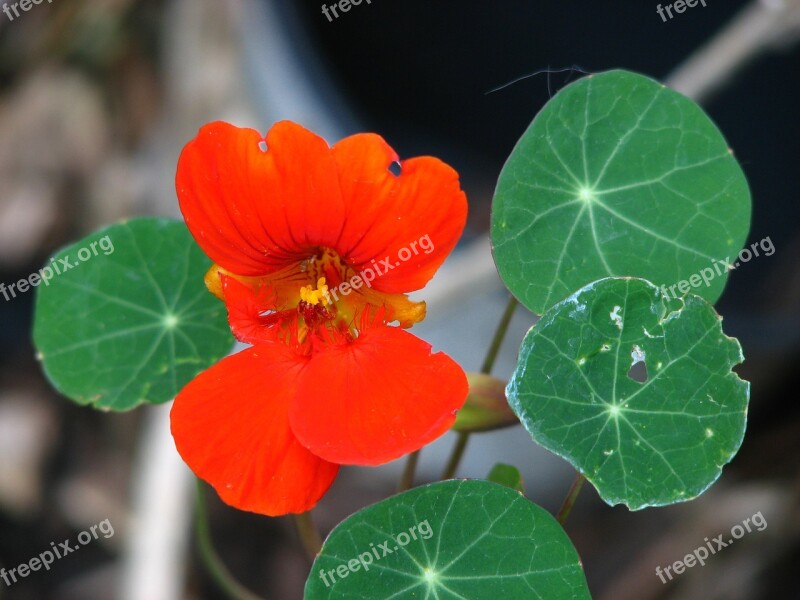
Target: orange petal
253	211
377	398
256	211
414	220
255	313
231	426
245	307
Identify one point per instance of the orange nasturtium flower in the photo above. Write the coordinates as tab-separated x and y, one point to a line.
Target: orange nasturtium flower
315	248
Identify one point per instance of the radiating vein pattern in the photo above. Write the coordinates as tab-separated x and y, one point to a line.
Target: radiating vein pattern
132	326
641	443
486	541
616	176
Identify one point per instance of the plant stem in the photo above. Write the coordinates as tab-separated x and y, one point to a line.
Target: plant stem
309	535
455	456
216	569
499	336
486	368
407	480
572	496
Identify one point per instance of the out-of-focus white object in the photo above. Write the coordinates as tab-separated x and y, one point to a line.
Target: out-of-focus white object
162	512
26	434
761	26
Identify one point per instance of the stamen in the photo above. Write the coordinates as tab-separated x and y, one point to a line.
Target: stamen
315	296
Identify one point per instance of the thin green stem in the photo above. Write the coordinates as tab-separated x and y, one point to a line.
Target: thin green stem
499	336
455	456
216	568
407	480
309	535
486	368
572	497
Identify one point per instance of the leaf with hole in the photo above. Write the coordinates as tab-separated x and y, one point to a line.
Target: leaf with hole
650	443
617	176
449	540
131	321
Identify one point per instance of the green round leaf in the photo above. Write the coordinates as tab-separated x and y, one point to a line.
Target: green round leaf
125	317
450	540
649	439
617	176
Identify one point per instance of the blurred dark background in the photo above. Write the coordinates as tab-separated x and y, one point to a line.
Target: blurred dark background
96	99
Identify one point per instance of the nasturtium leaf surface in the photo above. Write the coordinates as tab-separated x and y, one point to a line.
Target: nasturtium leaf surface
133	322
652	440
471	539
507	475
617	176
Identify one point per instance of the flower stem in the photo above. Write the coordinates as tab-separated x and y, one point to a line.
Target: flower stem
486	368
216	569
407	480
499	336
572	496
309	535
455	456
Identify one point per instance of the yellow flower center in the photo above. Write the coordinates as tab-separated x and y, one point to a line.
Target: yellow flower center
339	298
316	295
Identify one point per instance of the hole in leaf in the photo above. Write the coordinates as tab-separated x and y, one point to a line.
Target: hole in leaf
262	145
395	169
638	370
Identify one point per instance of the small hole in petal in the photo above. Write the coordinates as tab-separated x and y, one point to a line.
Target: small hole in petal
262	145
395	169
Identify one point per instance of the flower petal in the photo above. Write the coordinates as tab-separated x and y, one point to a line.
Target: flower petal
414	220
375	399
254	210
231	426
245	307
257	307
